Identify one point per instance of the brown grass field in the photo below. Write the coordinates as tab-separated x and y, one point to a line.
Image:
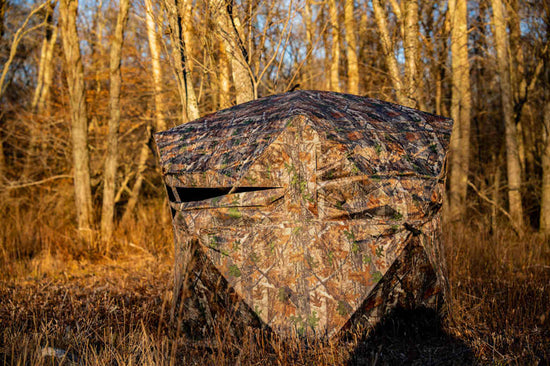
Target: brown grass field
109	305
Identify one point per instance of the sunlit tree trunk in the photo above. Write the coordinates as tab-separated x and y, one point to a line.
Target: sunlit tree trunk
309	43
363	54
412	49
351	48
44	98
460	107
46	57
512	154
322	18
396	7
335	46
545	197
98	54
79	115
160	123
176	12
223	77
185	11
236	52
388	50
115	78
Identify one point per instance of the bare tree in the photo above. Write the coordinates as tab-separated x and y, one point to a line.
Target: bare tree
155	65
98	50
512	153
111	163
185	10
351	47
44	81
523	81
141	166
460	107
388	50
335	46
222	11
309	30
45	66
178	15
412	50
17	37
79	114
223	77
160	122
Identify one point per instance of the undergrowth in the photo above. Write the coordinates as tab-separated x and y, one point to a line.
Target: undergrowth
68	301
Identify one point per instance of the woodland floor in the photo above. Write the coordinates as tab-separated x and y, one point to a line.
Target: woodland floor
116	311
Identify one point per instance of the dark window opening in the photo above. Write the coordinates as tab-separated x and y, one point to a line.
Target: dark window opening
180	194
384	212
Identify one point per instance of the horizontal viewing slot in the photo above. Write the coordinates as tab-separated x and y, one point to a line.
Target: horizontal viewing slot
180	194
383	212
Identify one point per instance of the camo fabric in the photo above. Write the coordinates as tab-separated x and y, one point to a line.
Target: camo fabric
317	208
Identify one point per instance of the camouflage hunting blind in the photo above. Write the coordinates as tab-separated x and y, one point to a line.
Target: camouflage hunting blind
312	210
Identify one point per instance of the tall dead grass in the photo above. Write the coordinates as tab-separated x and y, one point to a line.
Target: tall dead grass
500	292
67	302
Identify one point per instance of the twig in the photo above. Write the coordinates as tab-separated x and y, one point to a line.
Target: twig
29	184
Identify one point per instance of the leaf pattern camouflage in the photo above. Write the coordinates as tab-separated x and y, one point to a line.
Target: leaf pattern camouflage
316	209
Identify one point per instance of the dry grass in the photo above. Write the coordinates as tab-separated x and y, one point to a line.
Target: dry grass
109	308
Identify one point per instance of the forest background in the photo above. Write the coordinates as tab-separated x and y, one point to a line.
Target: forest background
83	87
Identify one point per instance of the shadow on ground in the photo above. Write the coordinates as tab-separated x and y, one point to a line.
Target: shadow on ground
411	337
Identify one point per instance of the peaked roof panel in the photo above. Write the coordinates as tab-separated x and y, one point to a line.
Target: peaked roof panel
229	140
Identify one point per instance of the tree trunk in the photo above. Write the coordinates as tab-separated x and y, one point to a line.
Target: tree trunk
335	46
98	54
460	108
223	77
545	199
45	55
242	76
388	49
160	123
185	11
396	7
44	98
43	83
309	28
351	48
3	7
79	116
411	46
512	155
517	62
136	188
175	10
363	54
109	178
